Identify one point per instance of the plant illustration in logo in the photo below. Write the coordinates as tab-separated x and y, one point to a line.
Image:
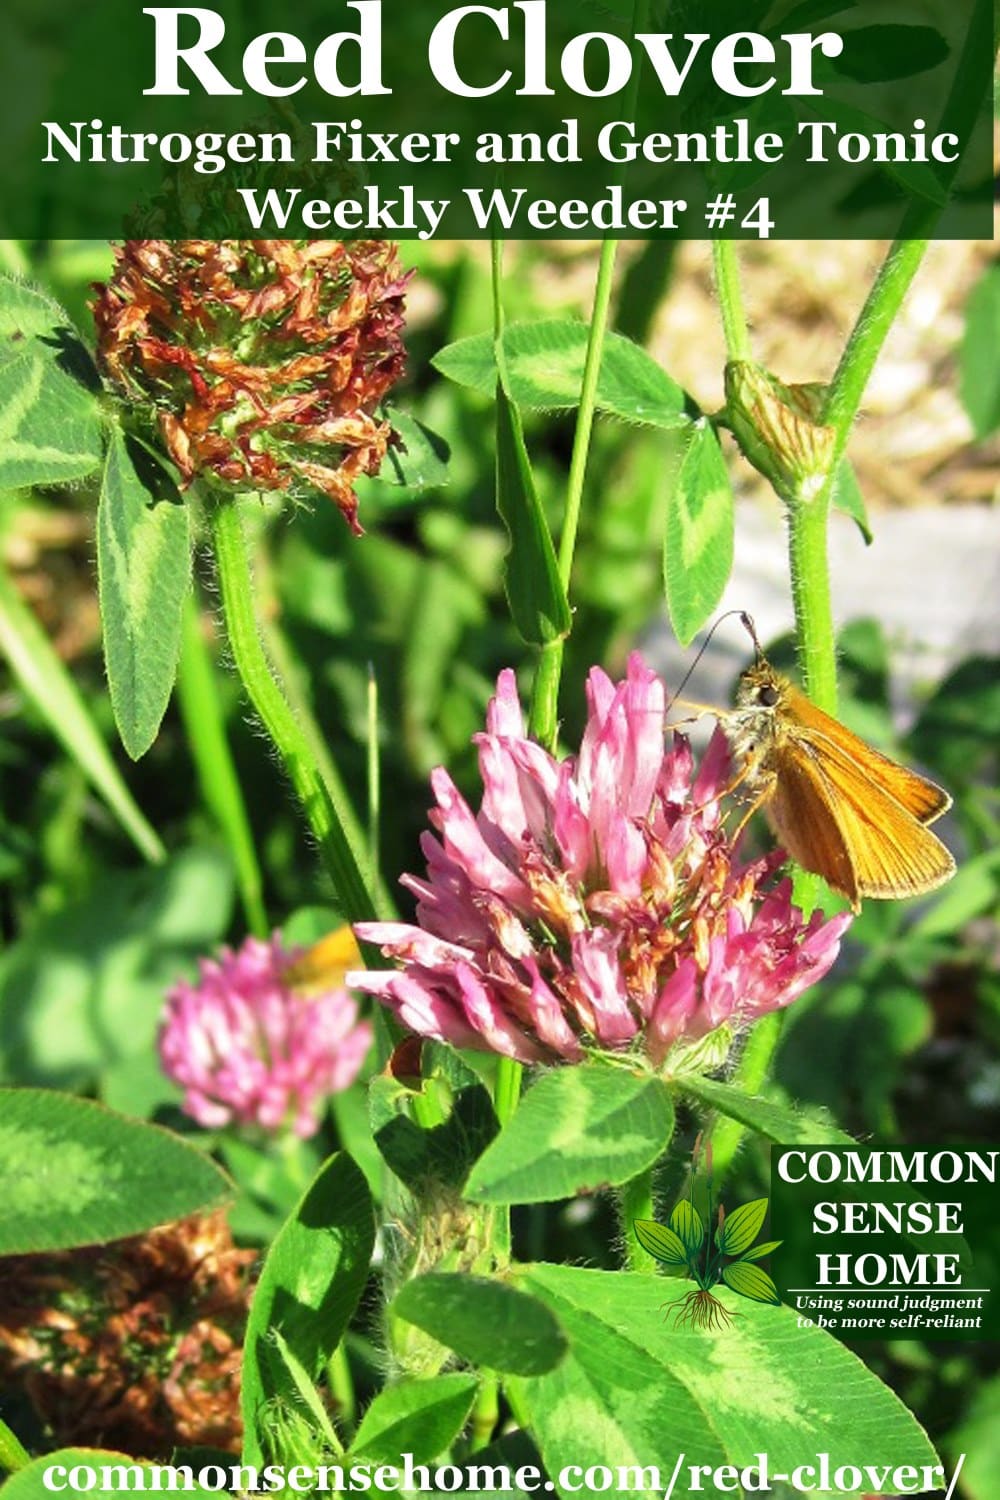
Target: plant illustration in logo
729	1255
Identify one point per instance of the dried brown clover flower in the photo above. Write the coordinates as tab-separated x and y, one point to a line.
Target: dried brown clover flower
134	1345
263	360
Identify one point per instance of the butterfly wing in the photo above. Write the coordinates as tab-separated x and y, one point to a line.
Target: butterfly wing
804	817
921	798
890	851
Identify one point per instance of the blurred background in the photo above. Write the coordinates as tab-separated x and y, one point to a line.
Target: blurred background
902	1042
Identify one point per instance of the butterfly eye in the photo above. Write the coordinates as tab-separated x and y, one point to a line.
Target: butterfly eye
768	695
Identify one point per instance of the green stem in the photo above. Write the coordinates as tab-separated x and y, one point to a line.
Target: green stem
13	1454
808	517
374	772
496	284
588	403
198	697
506	1097
811	598
326	810
846	389
816	640
341	1385
485	1413
543	722
507	1089
295	687
730	295
749	1077
635	1201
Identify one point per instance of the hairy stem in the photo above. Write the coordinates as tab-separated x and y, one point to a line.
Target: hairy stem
485	1413
749	1077
509	1074
201	710
811	599
846	389
341	1385
635	1201
808	517
326	809
730	295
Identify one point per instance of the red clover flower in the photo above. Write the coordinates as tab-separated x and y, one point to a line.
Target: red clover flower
595	902
249	1044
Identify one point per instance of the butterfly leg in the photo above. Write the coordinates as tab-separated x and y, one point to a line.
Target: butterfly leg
730	787
763	792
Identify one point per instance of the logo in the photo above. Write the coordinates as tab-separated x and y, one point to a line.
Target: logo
728	1255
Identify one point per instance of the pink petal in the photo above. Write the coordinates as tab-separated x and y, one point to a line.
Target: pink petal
595	963
499	1030
504	716
410	944
549	1017
464	843
674	1009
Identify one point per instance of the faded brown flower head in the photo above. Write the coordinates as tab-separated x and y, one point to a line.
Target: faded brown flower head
262	360
134	1345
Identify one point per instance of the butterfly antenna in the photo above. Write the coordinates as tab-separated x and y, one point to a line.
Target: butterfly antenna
747	622
748	625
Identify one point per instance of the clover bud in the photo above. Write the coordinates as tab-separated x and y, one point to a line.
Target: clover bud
778	430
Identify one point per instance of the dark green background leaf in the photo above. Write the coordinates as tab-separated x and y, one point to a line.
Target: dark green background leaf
873	54
422	462
82	990
441	1155
74	1173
